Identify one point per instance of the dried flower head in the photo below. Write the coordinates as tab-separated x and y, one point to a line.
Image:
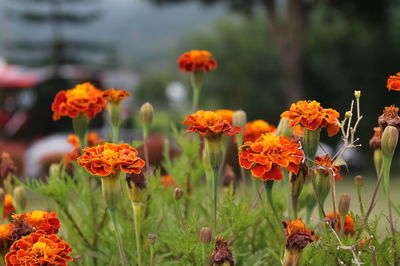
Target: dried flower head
210	124
39	249
46	222
196	60
226	114
326	165
221	254
21	227
265	156
83	98
312	116
115	96
256	128
393	82
375	141
348	223
390	117
8	207
110	159
297	235
7	165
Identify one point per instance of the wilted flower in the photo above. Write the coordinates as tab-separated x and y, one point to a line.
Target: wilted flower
375	141
256	128
210	124
222	254
39	249
226	114
8	207
110	159
312	116
83	98
136	185
390	117
115	96
178	193
326	165
348	223
297	235
196	60
393	82
265	156
46	222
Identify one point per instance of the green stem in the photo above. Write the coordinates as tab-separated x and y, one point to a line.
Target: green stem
268	192
320	204
214	177
393	230
137	212
386	165
151	255
114	220
203	254
115	133
146	153
80	125
360	201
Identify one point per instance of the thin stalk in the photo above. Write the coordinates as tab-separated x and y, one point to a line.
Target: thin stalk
203	254
333	190
114	220
115	133
392	229
146	155
373	199
180	216
320	204
214	177
268	192
151	255
137	213
360	201
196	96
294	207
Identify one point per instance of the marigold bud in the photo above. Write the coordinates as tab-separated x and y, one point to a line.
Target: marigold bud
152	238
54	169
240	119
378	157
344	204
323	185
136	184
296	182
146	114
205	235
178	193
19	196
359	180
311	142
389	141
357	94
348	114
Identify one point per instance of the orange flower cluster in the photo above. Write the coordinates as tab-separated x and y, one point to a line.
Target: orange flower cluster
348	223
83	98
196	60
256	128
325	164
312	116
210	124
110	159
39	249
226	114
265	156
8	207
115	96
297	235
393	82
46	222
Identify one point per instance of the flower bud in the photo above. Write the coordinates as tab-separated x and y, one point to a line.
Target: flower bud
240	119
136	185
311	140
296	182
152	238
378	157
344	204
178	193
359	180
389	141
19	196
146	114
348	114
205	235
322	184
284	128
357	94
54	169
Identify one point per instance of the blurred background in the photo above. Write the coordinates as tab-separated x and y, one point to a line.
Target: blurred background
270	53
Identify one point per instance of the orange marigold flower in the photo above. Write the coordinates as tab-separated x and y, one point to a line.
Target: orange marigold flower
265	156
39	249
226	114
83	98
6	231
348	223
325	164
297	235
46	222
8	207
210	124
167	181
393	82
109	159
197	60
256	128
312	116
115	96
74	140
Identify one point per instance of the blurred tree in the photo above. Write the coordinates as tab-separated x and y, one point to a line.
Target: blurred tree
288	22
58	49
